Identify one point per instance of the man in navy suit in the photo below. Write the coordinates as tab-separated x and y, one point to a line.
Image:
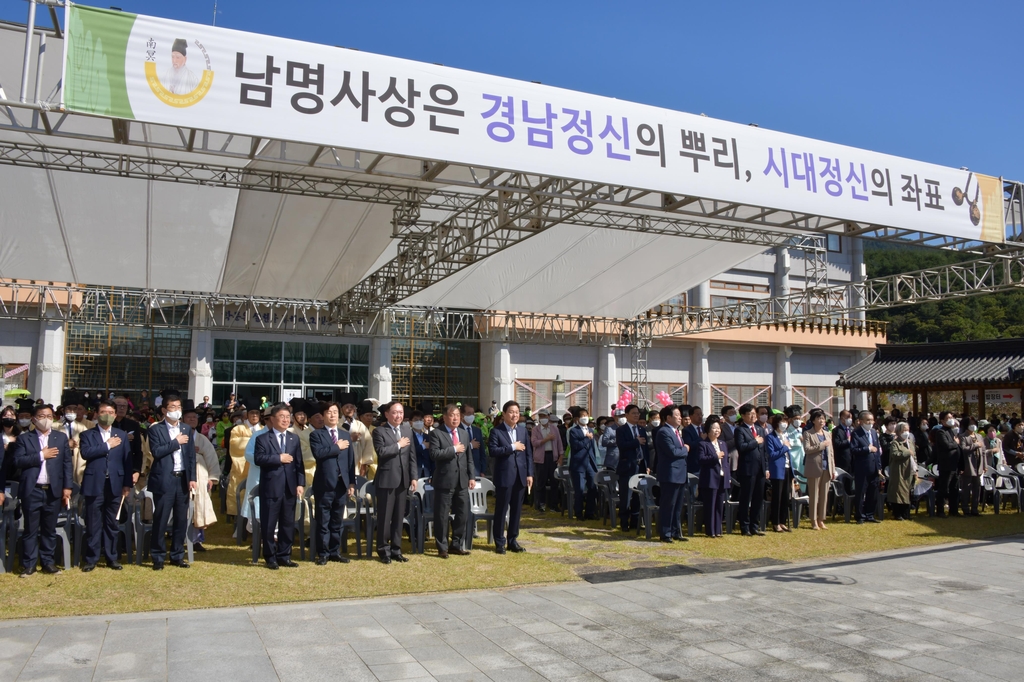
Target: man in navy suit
693	434
672	454
510	447
867	467
395	478
107	481
278	454
44	458
172	478
476	437
454	476
631	439
583	466
333	482
752	470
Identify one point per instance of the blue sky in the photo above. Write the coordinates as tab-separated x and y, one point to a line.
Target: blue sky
930	80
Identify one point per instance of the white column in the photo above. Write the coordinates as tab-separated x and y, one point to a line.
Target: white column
607	386
380	370
858	272
200	368
782	391
700	378
48	378
503	389
701	295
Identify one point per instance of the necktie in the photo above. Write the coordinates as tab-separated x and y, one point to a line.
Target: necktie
635	435
281	437
455	436
334	435
677	435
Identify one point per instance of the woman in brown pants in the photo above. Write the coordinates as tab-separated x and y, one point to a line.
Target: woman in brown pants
819	467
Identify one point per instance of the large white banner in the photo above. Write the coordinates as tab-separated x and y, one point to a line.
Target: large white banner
195	76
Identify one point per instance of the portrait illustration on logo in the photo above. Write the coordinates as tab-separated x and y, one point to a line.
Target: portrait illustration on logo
172	74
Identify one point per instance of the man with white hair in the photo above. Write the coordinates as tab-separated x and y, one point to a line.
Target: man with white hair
179	79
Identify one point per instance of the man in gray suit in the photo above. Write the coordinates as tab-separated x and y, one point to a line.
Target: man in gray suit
454	476
396	474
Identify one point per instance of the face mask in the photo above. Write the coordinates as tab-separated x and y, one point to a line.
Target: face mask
848	422
209	420
106	419
175	415
956	430
237	422
904	435
7	422
601	427
950	423
797	423
733	418
468	420
544	422
70	416
417	425
24	423
972	428
44	424
584	421
655	423
763	418
621	421
783	426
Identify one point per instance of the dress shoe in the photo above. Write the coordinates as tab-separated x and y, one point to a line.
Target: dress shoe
198	547
180	563
516	547
320	561
401	558
288	563
875	520
940	515
338	559
88	567
745	532
158	567
759	532
442	555
668	540
971	514
51	569
114	566
459	551
27	572
499	549
860	522
272	565
384	559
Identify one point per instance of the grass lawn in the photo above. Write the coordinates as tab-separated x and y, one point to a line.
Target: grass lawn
557	551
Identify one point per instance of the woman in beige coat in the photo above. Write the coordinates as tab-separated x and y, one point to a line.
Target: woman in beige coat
207	471
819	467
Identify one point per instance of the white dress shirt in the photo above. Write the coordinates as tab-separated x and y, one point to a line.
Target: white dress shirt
173	430
44	442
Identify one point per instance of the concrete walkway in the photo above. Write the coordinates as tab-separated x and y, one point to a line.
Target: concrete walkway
952	612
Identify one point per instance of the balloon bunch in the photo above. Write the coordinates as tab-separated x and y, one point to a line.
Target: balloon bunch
625	399
664	398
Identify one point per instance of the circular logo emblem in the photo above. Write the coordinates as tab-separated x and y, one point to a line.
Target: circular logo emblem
177	83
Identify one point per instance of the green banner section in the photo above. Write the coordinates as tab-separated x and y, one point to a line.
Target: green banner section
94	80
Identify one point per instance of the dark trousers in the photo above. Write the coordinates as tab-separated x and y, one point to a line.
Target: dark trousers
670	511
970	493
330	510
584	492
947	487
480	461
629	504
781	489
446	500
508	499
546	485
101	526
390	516
713	500
901	511
279	513
866	482
39	541
176	501
751	502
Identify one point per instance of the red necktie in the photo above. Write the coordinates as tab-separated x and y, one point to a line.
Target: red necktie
677	435
455	436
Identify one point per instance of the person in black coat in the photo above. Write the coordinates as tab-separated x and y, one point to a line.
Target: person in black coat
106	482
395	477
44	459
947	456
631	439
278	454
867	467
172	478
671	473
333	481
922	443
131	427
841	442
510	447
715	476
454	476
752	470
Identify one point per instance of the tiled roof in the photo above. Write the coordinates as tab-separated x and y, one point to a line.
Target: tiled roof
971	364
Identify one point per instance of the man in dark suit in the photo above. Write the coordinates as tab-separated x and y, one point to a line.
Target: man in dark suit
172	478
395	477
454	476
333	481
583	466
631	439
841	435
131	427
476	437
510	447
106	482
948	455
44	458
867	467
278	454
752	470
693	434
672	454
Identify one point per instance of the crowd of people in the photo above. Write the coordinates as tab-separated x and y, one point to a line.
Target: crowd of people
99	448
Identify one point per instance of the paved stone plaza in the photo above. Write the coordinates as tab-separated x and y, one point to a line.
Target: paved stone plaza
951	612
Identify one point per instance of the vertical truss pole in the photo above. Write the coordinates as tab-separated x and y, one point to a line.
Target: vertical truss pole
29	29
816	277
640	338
